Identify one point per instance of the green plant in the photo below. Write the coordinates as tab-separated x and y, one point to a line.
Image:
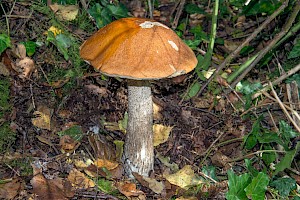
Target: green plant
7	136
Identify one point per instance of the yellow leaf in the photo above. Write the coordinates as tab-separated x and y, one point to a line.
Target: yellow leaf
161	133
55	30
43	118
182	178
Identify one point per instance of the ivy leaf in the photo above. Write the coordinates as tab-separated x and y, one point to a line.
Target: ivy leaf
236	185
284	185
257	188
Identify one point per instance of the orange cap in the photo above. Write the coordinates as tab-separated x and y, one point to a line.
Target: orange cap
137	48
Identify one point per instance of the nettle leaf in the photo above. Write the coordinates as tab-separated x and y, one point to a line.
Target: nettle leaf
257	188
268	137
284	185
295	51
4	42
236	185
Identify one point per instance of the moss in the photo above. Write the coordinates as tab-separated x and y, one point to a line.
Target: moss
7	136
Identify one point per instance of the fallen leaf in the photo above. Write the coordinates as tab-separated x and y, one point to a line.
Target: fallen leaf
43	116
161	133
166	161
65	12
100	91
54	30
9	189
155	185
67	143
108	164
48	189
183	178
128	189
156	111
79	180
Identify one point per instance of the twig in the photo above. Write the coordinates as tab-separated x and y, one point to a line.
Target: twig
270	46
286	106
178	14
254	153
245	43
278	80
283	107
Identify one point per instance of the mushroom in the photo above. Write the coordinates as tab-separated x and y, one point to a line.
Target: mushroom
139	50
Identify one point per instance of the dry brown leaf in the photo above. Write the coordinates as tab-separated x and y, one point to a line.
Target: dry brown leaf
101	91
156	111
65	12
4	70
108	164
43	118
67	143
21	51
128	189
220	160
161	133
11	188
79	180
155	185
48	189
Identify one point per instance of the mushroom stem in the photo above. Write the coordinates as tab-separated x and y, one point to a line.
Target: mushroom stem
138	150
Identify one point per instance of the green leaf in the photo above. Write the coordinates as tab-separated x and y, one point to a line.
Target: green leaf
268	157
118	11
193	90
193	44
210	171
257	188
250	141
4	42
295	51
261	6
75	132
30	47
285	162
251	169
268	137
286	131
98	13
236	185
249	88
193	8
105	185
284	185
63	42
